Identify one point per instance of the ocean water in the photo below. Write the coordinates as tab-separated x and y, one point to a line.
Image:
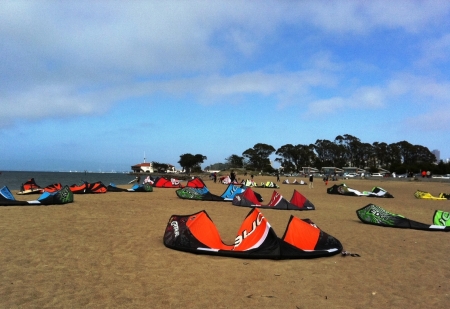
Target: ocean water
13	180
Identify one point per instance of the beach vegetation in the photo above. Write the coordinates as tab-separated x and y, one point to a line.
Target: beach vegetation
344	151
235	161
191	163
258	157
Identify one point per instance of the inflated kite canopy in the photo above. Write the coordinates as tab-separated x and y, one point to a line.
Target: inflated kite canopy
226	180
232	190
113	188
297	202
62	196
195	183
378	192
445	195
249	183
78	188
52	188
203	194
343	189
255	238
161	182
441	217
96	187
427	196
269	184
200	194
146	187
30	187
373	214
295	182
86	187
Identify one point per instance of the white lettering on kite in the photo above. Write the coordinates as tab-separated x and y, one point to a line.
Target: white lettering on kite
245	234
176	229
445	217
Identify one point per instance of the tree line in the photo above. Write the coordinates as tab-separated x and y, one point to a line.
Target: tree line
344	151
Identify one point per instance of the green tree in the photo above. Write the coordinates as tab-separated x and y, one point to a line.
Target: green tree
160	167
235	161
350	144
406	152
217	166
394	157
190	162
294	157
258	156
381	155
329	153
364	155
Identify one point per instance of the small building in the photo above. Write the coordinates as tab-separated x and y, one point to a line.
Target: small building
212	171
309	170
146	167
383	171
332	171
353	169
171	169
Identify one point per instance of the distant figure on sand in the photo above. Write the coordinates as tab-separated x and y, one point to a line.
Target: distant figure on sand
311	181
233	176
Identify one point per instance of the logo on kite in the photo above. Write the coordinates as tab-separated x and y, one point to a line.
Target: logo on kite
245	234
445	217
176	229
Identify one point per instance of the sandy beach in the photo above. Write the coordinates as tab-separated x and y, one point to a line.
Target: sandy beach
106	251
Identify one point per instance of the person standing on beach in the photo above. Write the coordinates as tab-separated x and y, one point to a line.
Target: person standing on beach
233	177
311	181
278	176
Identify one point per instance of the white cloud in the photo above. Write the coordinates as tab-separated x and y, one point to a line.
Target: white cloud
46	101
410	15
69	57
435	51
421	89
423	95
326	106
361	17
362	98
428	121
266	83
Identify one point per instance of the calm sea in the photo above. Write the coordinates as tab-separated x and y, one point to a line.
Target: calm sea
13	180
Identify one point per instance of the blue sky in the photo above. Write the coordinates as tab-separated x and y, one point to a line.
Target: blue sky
95	85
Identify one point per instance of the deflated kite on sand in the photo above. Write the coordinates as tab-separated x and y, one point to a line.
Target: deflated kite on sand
30	187
62	196
203	194
146	187
255	238
427	196
297	202
343	189
373	214
161	182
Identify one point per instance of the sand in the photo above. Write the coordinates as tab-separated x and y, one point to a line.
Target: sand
106	251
